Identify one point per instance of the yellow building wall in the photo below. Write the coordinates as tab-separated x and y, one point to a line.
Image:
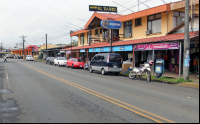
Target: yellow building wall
139	32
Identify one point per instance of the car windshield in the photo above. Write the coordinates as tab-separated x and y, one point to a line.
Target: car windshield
62	58
77	60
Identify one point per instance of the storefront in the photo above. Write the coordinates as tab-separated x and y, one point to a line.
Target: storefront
169	52
83	55
124	51
194	56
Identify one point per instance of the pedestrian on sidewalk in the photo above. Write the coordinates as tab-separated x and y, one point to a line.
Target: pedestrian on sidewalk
5	60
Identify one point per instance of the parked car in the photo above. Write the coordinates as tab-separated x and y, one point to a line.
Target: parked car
29	58
60	61
50	60
106	62
20	57
75	63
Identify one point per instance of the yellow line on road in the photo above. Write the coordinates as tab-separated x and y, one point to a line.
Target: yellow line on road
124	105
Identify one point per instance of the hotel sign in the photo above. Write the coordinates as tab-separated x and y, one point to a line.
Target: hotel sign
102	8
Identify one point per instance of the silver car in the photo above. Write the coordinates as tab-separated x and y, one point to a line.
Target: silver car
29	58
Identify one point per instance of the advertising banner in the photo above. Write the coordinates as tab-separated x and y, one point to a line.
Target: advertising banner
111	24
82	50
157	46
115	48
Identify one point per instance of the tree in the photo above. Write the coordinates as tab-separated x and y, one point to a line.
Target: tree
75	43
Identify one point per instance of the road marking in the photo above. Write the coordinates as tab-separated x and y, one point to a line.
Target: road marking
8	81
124	105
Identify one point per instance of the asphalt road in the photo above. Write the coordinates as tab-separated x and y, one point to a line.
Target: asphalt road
34	92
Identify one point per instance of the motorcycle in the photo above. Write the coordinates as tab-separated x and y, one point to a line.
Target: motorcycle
144	69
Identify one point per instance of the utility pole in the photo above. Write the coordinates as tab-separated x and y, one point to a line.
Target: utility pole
1	50
46	47
23	44
186	51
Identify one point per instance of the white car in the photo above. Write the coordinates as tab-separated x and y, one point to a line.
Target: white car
60	61
29	58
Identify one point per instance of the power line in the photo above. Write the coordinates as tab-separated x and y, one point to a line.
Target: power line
50	15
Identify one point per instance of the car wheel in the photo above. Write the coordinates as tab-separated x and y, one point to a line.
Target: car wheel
103	71
91	70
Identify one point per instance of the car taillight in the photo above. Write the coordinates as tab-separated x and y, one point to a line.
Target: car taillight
108	58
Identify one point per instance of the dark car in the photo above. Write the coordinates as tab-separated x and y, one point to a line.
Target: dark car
20	57
50	60
106	62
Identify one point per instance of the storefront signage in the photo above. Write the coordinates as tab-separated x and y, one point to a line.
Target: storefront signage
157	46
82	50
62	51
111	24
102	49
115	48
68	52
102	8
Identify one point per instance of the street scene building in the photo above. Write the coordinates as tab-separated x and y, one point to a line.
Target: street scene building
155	33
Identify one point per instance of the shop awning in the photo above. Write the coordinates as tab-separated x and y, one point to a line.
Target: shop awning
194	36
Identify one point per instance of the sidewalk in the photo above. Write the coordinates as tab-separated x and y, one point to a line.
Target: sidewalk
193	76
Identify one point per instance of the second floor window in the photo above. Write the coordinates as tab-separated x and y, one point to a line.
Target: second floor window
96	31
138	21
154	23
128	29
105	33
89	36
82	38
178	18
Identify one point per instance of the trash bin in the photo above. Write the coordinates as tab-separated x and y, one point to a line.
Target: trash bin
159	68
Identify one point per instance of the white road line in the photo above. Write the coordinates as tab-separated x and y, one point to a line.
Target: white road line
7	76
9	87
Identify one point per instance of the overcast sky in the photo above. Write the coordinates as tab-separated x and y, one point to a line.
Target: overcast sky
36	18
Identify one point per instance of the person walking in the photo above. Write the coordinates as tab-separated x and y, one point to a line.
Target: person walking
5	60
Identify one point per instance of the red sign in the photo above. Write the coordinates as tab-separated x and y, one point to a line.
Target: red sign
157	46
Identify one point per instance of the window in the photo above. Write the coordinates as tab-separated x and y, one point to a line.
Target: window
101	31
98	58
105	33
138	22
96	31
154	23
115	58
178	18
90	36
82	38
128	29
115	32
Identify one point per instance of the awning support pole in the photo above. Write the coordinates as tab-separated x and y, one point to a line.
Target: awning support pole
153	63
180	48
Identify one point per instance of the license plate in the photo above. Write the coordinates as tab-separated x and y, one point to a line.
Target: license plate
114	66
80	66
